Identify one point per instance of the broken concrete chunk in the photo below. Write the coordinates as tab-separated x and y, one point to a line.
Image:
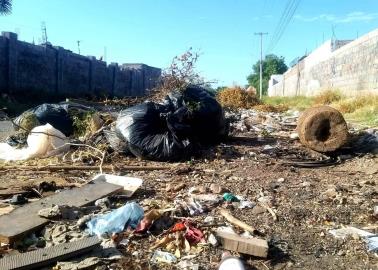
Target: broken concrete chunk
87	263
51	212
60	211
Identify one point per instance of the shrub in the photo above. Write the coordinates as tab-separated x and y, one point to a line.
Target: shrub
236	97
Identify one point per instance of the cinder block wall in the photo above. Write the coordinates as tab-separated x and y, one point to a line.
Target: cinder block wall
352	69
34	69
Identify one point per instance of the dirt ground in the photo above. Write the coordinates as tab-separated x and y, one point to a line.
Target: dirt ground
308	202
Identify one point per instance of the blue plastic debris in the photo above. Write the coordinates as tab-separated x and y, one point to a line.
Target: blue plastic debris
116	221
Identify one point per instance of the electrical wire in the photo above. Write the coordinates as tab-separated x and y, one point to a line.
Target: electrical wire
286	18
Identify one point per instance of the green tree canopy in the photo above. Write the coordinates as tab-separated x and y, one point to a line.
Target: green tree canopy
5	7
272	64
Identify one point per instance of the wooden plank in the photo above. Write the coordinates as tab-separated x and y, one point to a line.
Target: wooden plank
54	168
252	246
42	257
25	219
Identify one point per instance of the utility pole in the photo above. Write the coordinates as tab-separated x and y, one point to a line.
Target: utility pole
261	36
44	33
78	45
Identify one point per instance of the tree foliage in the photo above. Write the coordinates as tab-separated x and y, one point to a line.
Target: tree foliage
272	64
5	7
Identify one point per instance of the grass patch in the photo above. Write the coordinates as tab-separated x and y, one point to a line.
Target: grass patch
297	103
360	109
367	116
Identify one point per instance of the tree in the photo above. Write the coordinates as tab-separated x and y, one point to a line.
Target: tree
272	64
5	7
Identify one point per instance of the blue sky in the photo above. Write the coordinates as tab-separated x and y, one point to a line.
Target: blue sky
154	31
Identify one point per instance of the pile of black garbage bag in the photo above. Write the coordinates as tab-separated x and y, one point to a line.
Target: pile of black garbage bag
174	129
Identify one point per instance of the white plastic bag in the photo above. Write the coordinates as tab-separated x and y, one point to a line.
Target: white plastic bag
43	141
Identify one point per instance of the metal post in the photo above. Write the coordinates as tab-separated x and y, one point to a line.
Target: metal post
261	57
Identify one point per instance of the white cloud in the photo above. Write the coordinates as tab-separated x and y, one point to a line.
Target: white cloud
356	16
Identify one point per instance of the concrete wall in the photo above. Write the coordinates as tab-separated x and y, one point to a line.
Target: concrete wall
348	66
33	69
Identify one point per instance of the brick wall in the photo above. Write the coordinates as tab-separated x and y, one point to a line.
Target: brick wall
28	68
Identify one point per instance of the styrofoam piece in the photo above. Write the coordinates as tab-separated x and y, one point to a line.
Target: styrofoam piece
130	184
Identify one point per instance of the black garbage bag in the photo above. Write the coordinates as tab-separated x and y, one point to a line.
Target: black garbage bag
171	130
206	116
58	115
153	131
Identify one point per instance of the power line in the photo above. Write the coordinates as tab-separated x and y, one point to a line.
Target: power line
289	19
289	15
285	20
280	22
261	36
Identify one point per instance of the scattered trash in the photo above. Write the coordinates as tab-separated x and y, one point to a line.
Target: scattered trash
187	265
148	220
209	219
370	238
230	262
212	240
243	203
116	221
130	184
161	224
18	199
194	235
163	257
229	197
43	141
187	221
